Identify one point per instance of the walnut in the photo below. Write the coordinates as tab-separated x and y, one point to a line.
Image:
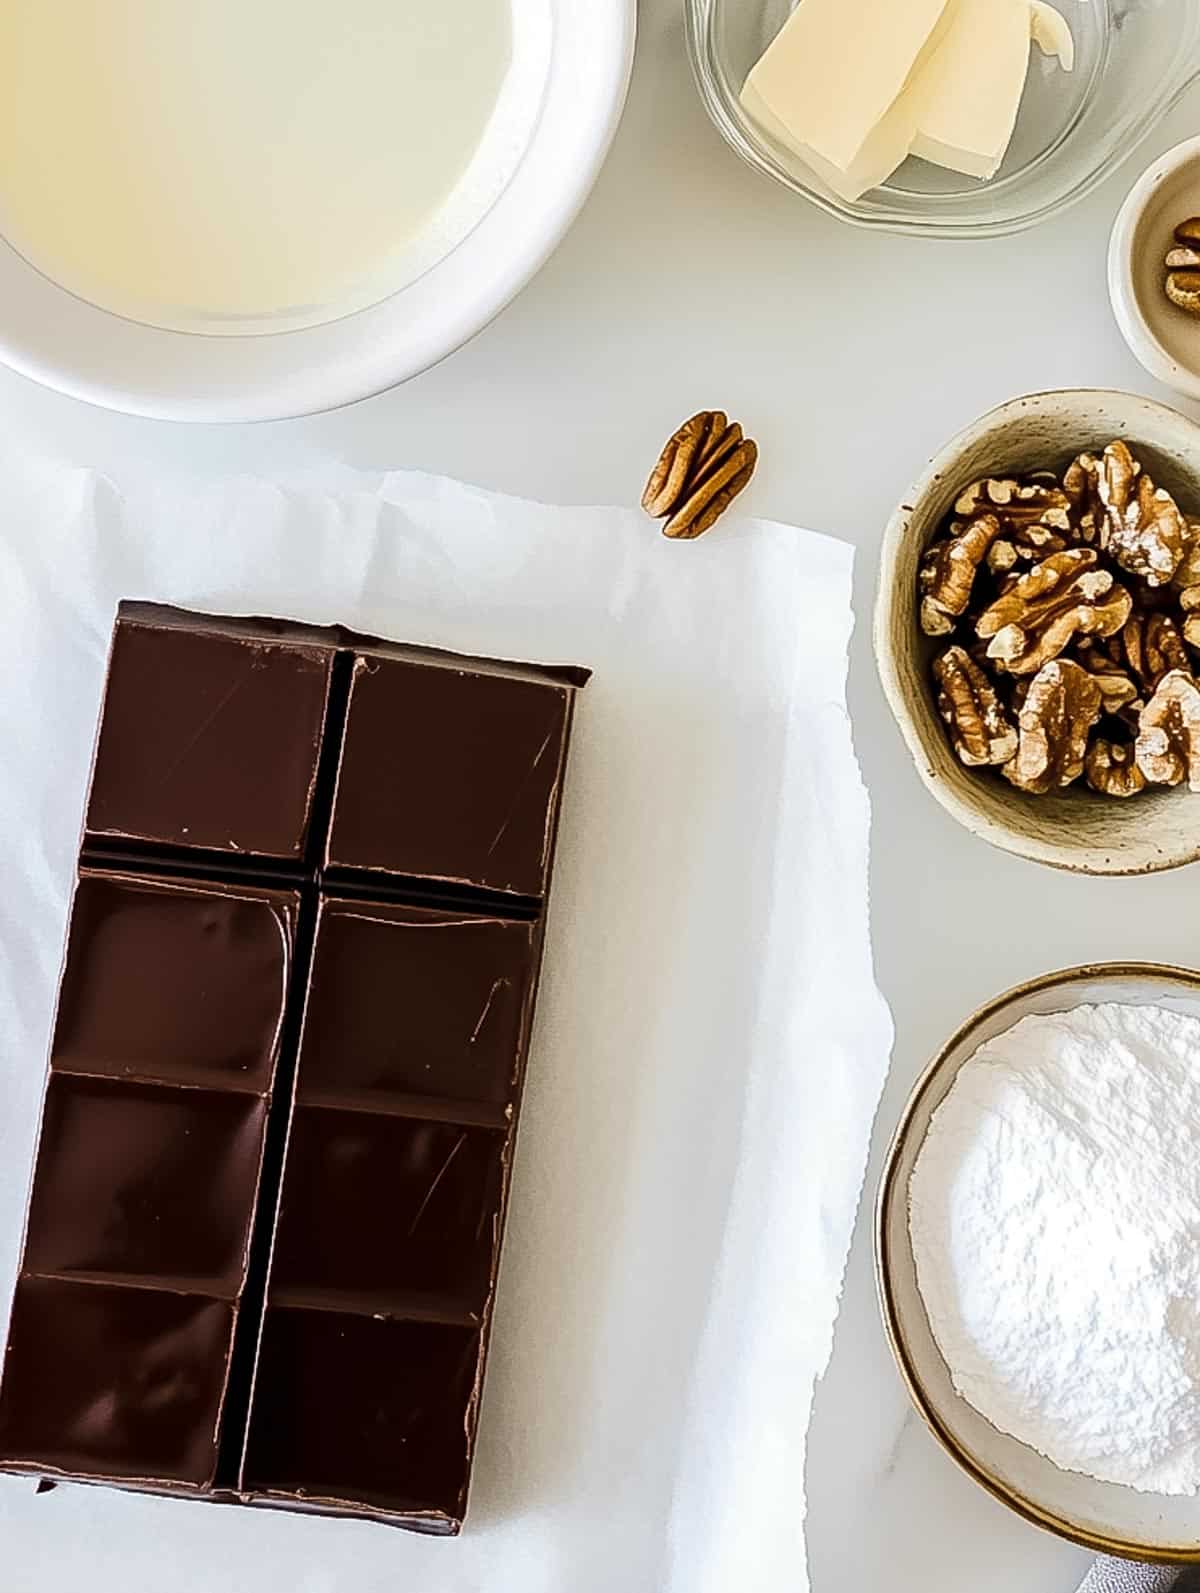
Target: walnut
1118	506
948	573
1189	602
981	729
699	473
1023	545
1118	688
1071	612
1018	505
1064	597
1168	743
1080	483
1061	706
1153	647
1111	768
1186	582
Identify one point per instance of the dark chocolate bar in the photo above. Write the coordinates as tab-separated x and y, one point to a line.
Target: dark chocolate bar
265	1222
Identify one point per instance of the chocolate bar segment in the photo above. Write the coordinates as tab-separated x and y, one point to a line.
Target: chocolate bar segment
451	773
145	1183
112	1382
264	1229
389	1214
409	1001
210	736
179	983
379	1426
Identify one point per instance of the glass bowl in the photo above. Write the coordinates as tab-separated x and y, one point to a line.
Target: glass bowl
1134	58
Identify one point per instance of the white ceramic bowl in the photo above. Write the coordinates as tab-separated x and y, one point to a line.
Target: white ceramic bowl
62	341
1074	829
1101	1515
1165	339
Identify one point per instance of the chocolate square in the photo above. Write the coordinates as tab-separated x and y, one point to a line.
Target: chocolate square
179	982
450	773
142	1181
113	1382
408	1001
210	737
352	1410
388	1213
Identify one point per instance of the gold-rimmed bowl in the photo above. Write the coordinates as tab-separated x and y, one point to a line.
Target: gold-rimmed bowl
1099	1515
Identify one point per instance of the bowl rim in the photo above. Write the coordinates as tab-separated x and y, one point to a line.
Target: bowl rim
1083	859
887	1194
90	354
1149	351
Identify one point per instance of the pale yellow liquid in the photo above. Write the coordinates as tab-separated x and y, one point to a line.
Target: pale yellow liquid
175	160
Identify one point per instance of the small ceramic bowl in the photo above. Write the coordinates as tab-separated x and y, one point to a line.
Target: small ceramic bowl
1101	1515
1163	337
1074	829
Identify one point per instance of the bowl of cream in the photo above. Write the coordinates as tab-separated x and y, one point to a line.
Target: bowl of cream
1038	1254
259	208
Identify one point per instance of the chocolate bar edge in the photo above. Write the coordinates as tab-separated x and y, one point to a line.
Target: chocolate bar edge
252	627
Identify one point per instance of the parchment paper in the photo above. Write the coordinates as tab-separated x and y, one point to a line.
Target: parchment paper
710	1045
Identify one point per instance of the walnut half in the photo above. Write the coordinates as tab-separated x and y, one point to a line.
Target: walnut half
1064	597
1139	524
1111	768
1060	708
1168	743
948	573
983	733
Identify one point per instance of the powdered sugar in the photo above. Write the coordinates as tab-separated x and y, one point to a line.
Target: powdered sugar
1055	1220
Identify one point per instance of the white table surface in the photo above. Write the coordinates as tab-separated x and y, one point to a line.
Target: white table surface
690	282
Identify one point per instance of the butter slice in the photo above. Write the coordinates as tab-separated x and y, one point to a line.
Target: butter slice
835	71
886	147
1052	34
970	88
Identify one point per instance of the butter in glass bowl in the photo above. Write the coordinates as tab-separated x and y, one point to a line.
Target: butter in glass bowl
1133	58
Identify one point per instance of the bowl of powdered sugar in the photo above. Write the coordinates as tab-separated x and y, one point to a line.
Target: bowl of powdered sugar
1038	1249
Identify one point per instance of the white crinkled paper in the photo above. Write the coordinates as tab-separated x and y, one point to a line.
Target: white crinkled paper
710	1044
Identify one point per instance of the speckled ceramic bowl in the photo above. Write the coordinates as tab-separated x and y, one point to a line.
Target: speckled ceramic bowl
1074	829
1101	1515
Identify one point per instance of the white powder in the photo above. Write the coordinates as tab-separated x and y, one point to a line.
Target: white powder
1055	1220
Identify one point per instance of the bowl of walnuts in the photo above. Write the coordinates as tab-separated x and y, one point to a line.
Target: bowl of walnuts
1037	630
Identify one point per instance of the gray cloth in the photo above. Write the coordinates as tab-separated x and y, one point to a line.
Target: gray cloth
1123	1576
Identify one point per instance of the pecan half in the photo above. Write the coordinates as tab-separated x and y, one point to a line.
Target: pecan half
1183	290
699	473
980	728
1111	768
948	571
1060	708
1168	743
677	460
1064	597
